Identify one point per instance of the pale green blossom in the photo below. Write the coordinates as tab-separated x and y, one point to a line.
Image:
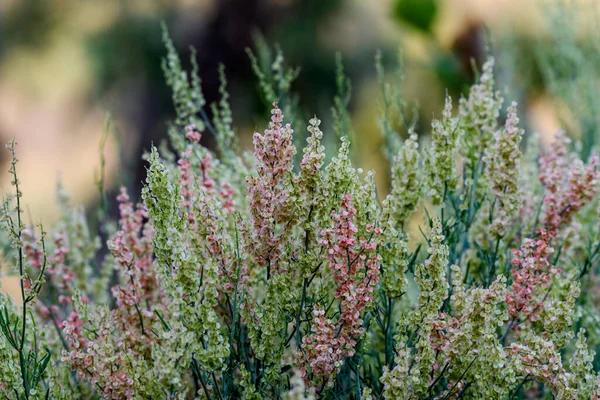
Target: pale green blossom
440	162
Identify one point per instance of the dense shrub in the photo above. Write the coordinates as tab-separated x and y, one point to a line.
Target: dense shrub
261	277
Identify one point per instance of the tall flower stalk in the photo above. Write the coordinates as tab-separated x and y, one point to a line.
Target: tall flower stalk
19	331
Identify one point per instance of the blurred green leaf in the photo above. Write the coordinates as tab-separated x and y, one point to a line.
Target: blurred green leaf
420	14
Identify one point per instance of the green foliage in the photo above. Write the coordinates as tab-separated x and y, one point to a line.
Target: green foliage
419	14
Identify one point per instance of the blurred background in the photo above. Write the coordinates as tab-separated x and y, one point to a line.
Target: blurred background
71	70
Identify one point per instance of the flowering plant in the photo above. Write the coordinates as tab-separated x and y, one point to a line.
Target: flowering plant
261	277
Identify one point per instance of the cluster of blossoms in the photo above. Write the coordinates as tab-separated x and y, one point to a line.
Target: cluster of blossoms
531	275
569	183
267	193
254	277
324	350
440	162
503	163
478	114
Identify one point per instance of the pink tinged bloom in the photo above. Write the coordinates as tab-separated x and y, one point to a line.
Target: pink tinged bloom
97	361
269	191
531	275
216	237
540	359
73	330
226	195
185	177
205	165
355	268
192	133
100	358
569	183
131	248
59	274
319	348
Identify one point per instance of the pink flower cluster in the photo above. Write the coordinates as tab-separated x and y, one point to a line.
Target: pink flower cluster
216	237
355	268
531	275
58	273
72	327
226	195
441	328
101	358
186	178
100	364
274	152
192	133
569	183
540	359
202	210
207	183
347	260
132	249
324	347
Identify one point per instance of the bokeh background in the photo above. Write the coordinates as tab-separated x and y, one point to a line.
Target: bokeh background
72	71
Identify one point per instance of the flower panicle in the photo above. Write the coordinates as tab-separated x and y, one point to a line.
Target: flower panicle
502	167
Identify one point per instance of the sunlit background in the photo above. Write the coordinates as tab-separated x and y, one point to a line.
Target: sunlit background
74	70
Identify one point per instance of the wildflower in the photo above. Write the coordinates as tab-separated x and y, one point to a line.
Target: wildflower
355	268
568	182
531	275
440	163
540	359
405	192
582	368
179	273
396	382
162	199
131	247
267	193
192	133
503	162
478	114
100	360
394	261
185	179
433	291
312	161
469	341
227	195
556	315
